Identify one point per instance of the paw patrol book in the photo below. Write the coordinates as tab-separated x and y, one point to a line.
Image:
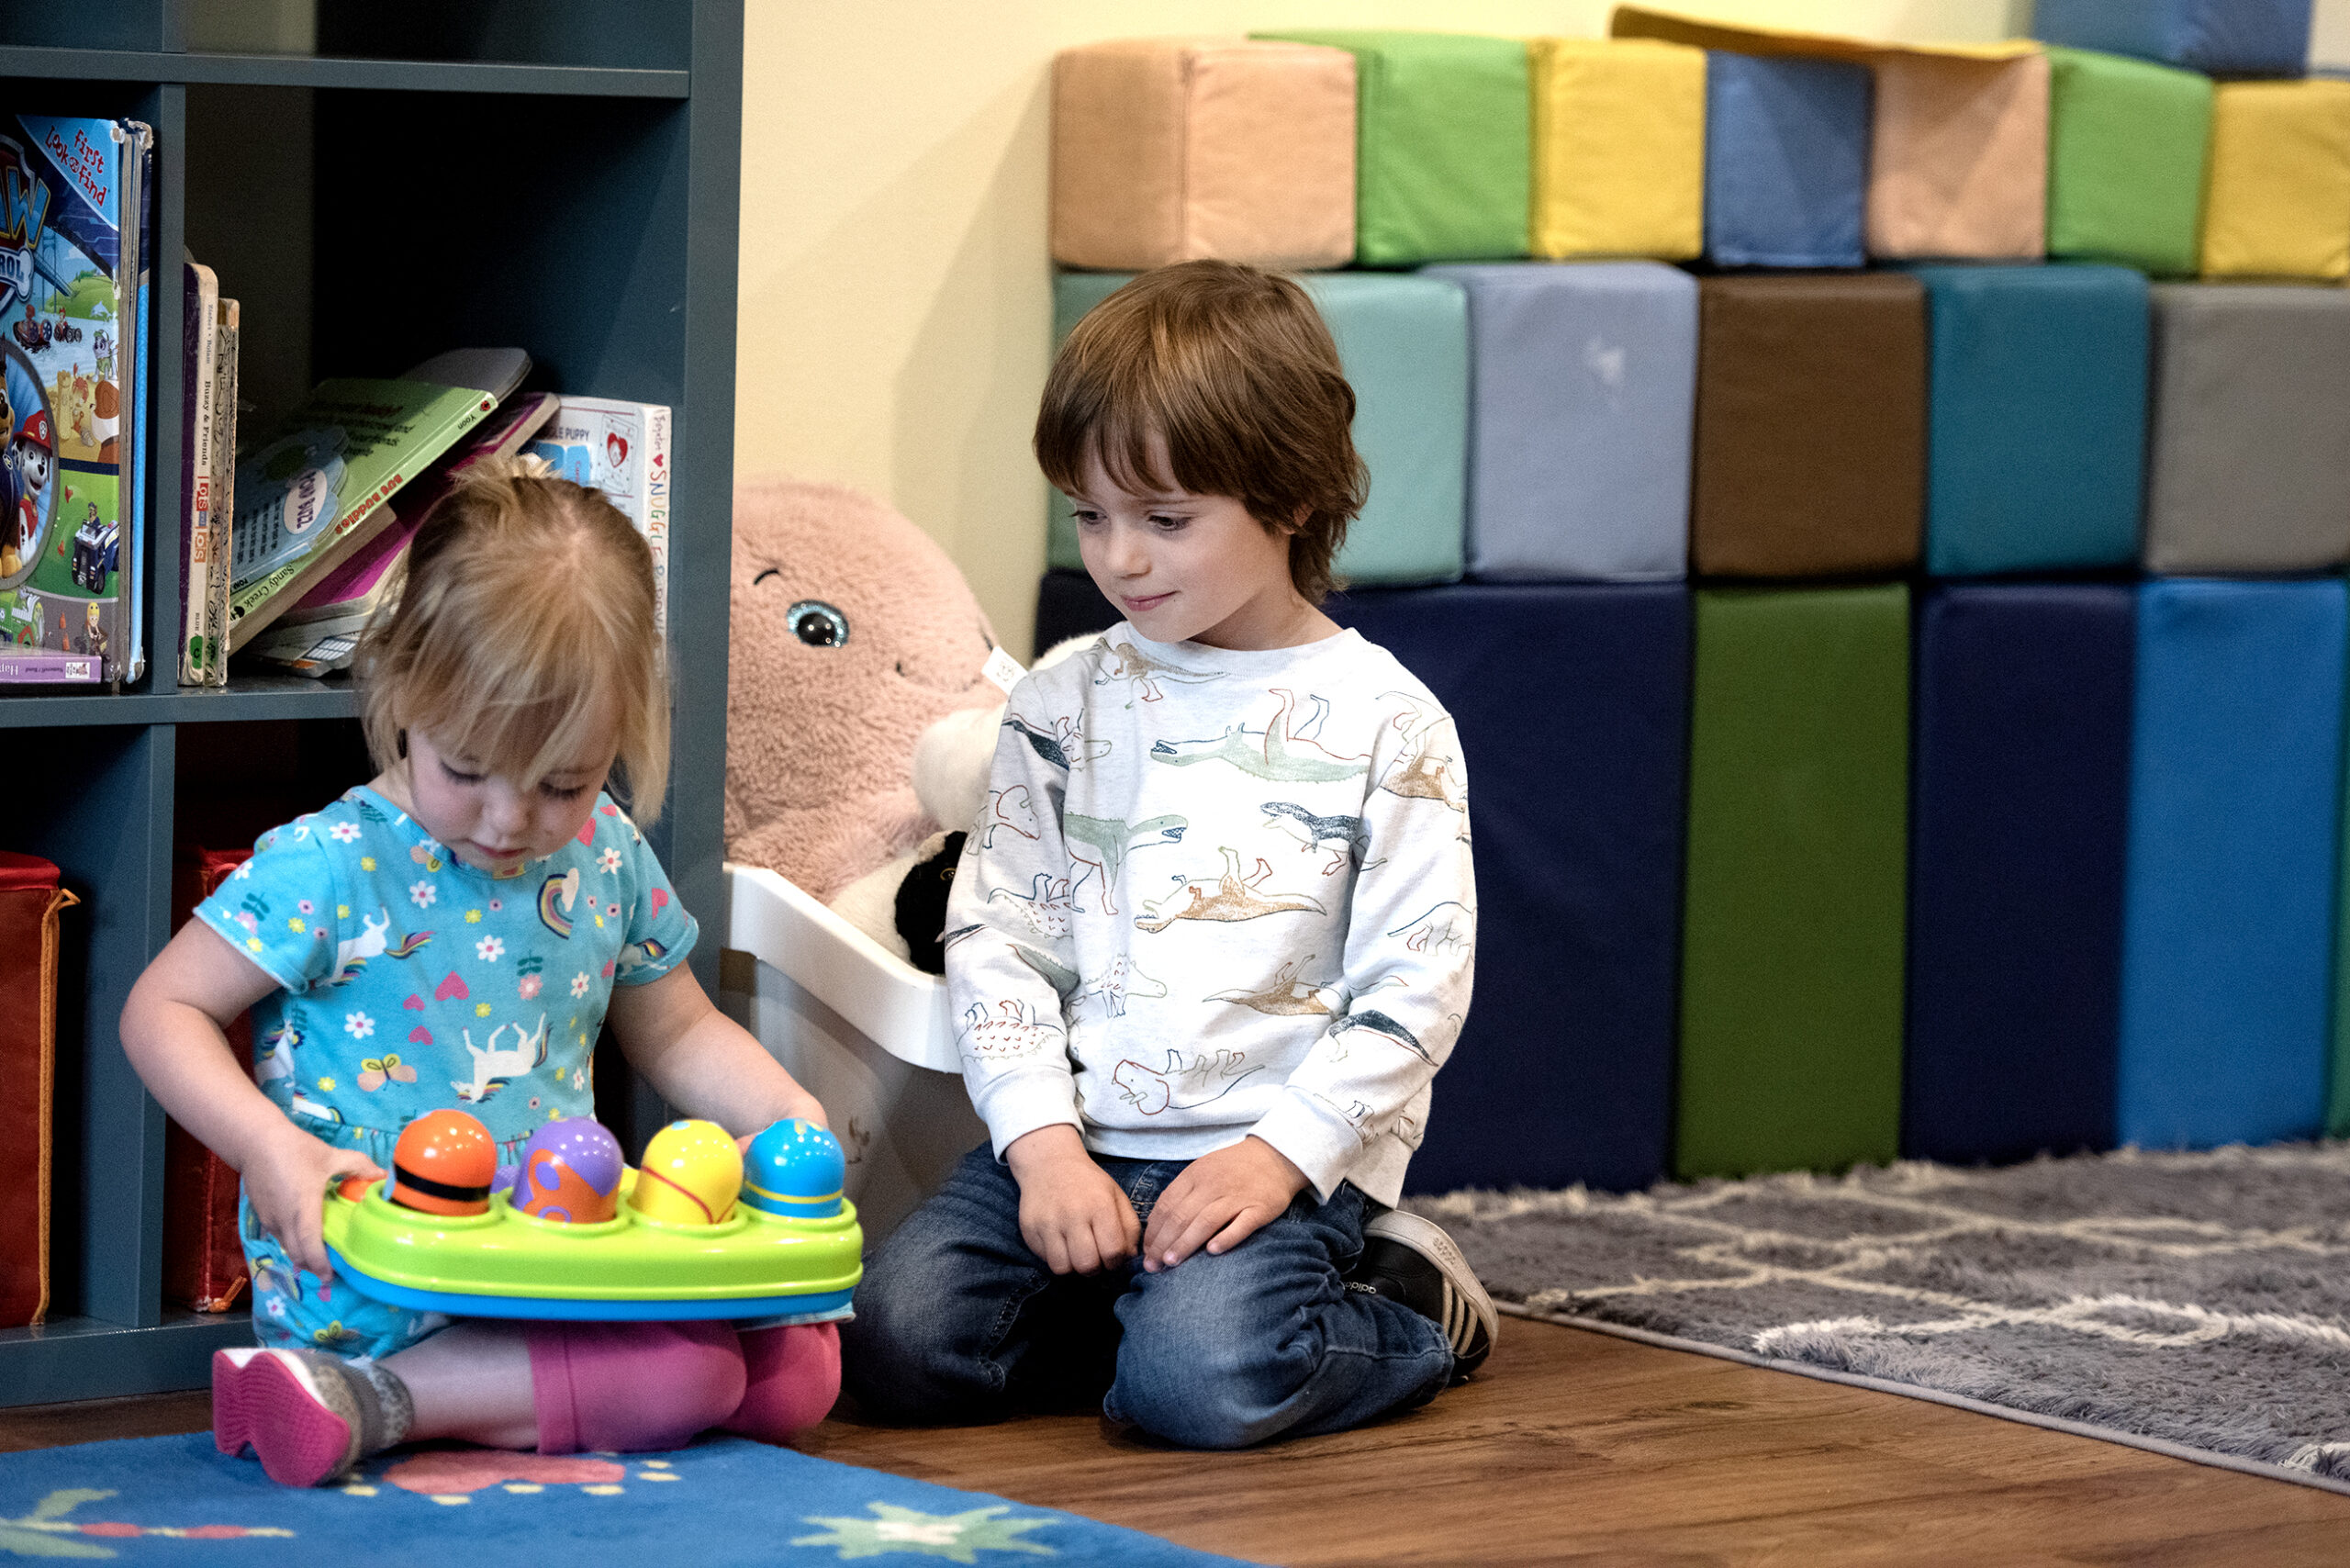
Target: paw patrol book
72	196
622	449
313	493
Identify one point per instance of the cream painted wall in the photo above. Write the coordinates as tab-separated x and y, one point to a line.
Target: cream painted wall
896	293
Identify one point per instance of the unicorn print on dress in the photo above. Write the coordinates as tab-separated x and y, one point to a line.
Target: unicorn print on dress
1343	836
1112	840
1228	897
1179	1085
1284	752
1010	1031
277	1056
374	941
496	1066
636	955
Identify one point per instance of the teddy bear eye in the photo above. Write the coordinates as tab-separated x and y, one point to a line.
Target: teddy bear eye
818	624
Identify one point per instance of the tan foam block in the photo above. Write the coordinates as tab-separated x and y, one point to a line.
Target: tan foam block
1958	165
1173	150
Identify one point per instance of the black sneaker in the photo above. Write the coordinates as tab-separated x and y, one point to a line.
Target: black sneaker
1411	1260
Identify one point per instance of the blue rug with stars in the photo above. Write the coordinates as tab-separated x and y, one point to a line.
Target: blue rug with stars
720	1503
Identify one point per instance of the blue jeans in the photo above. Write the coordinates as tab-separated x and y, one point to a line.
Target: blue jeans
957	1321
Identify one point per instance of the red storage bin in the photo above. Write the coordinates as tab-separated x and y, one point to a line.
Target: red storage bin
204	1263
29	900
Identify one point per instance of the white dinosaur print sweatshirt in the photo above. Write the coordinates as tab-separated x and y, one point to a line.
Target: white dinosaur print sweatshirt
1217	893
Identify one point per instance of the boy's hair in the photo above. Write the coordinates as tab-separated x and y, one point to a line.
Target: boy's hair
1234	371
527	606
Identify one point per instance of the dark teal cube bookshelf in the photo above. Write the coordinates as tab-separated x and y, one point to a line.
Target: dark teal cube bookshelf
559	174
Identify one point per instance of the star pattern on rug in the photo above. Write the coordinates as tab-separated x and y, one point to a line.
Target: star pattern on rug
958	1538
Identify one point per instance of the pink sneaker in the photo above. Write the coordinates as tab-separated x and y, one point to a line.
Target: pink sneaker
294	1408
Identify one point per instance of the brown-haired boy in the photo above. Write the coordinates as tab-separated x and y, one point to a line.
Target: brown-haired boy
1209	941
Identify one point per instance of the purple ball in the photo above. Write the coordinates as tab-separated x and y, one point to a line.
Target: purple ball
570	1170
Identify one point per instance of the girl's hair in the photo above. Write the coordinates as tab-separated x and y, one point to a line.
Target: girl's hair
1234	371
527	614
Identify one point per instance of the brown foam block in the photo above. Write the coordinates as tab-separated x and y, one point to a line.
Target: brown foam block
1811	426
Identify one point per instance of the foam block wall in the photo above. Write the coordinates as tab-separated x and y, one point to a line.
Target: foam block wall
1791	989
2277	202
2037	431
2231	37
1579	410
2228	944
1958	162
1620	147
1169	149
1787	161
1442	162
2250	432
2126	147
1811	416
1565	1069
1403	341
2020	806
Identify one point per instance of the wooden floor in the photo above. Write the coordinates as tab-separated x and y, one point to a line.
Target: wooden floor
1575	1448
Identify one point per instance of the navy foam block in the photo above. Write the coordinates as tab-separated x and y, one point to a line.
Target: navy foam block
1583	386
2228	943
2227	36
2036	425
1787	161
1572	700
2019	818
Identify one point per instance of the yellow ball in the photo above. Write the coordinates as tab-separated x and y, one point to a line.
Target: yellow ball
690	1175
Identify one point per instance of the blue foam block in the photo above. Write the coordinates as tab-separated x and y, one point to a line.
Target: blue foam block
1573	706
1583	386
2228	944
2227	36
2019	812
1787	161
2036	428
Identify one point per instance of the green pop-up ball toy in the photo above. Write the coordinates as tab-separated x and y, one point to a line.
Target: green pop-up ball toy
795	1168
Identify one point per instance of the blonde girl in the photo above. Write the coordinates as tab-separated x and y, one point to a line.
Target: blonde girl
457	932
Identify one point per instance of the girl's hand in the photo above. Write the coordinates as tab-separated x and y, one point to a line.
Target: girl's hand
1218	1201
287	1184
1072	1215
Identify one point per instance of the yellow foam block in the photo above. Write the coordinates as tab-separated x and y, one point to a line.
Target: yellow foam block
1174	150
2276	201
1620	147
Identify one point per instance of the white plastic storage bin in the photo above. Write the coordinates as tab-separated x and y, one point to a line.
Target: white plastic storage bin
866	1032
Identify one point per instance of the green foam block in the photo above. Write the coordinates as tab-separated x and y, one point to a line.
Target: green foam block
1443	130
1403	341
2126	143
1792	961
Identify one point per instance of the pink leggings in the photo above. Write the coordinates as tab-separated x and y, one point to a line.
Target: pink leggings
638	1387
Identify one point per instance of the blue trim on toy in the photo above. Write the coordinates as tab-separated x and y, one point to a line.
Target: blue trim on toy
823	1307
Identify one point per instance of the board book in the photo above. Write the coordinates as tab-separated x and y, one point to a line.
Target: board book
622	449
200	364
73	193
319	634
316	491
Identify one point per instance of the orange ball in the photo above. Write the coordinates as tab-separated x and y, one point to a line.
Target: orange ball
443	1164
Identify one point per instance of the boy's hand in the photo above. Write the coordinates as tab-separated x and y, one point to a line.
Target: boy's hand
1071	1214
287	1184
1218	1201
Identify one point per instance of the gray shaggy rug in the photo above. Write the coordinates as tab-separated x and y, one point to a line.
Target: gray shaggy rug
2195	1304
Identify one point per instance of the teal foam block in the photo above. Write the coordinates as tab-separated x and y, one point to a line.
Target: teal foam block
2036	421
1404	342
2227	956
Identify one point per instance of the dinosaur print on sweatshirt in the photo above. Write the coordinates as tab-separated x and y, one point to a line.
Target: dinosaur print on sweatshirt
1228	897
1112	840
1285	752
1183	1084
1121	662
1343	836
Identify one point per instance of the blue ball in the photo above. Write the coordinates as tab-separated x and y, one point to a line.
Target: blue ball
795	1170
